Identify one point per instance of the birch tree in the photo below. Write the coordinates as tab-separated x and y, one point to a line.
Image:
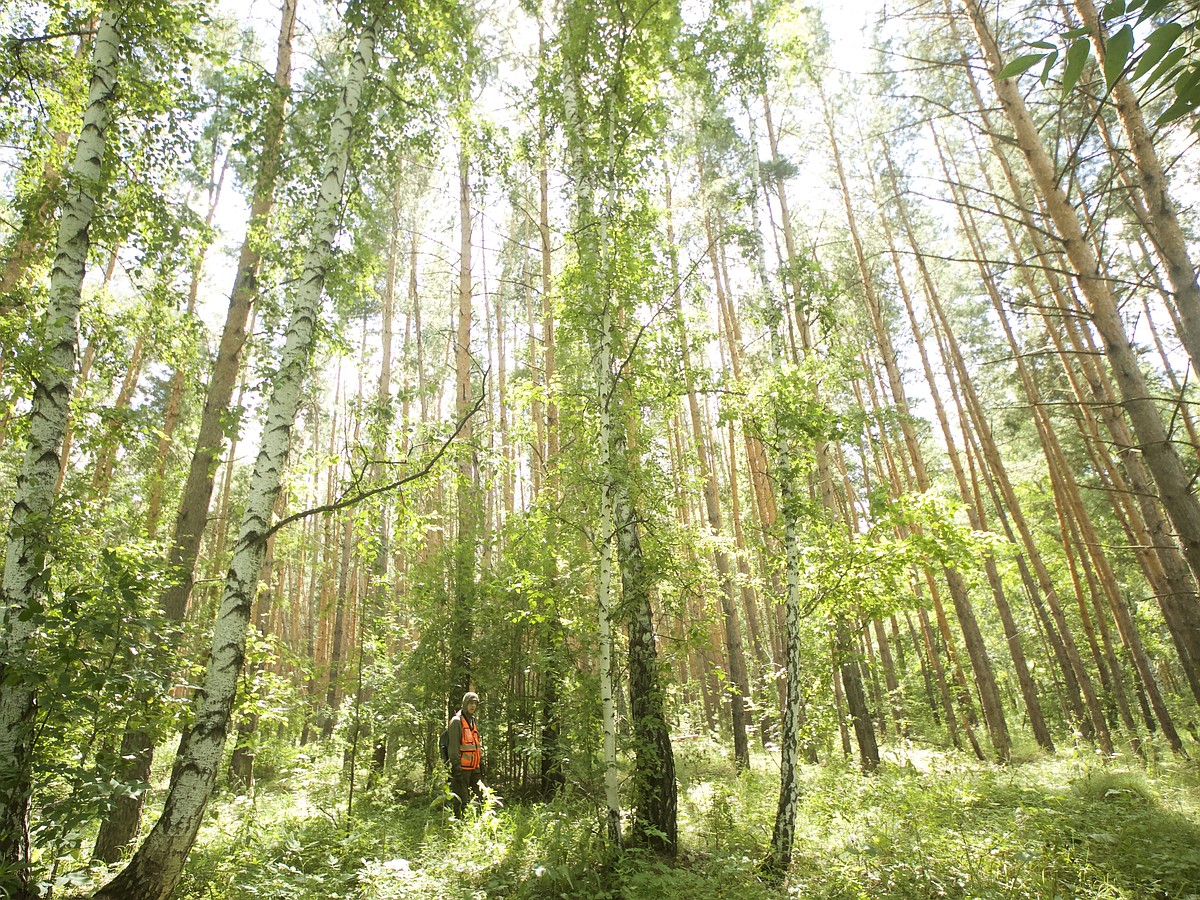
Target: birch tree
120	826
26	555
158	862
613	59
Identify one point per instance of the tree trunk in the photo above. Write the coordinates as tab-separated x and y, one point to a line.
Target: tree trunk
197	492
179	377
604	591
158	863
738	683
25	577
1178	600
1174	483
553	776
468	495
1162	222
972	636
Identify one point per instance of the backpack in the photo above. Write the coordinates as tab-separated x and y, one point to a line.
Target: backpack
444	745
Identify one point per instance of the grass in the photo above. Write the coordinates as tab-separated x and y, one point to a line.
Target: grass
927	825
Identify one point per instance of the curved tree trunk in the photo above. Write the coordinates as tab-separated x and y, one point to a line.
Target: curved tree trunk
24	586
120	826
156	866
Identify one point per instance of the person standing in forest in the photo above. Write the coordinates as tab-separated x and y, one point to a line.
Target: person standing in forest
466	754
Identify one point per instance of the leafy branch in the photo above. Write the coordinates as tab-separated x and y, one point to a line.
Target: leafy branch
1168	55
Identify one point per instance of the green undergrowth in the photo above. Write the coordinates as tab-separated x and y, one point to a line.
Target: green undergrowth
931	826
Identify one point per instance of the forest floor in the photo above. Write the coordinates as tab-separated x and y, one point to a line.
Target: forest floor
929	824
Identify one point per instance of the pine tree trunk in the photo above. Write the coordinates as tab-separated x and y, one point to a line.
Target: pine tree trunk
1163	223
849	661
1174	483
24	584
1178	600
738	682
156	866
972	636
177	384
468	495
197	491
895	698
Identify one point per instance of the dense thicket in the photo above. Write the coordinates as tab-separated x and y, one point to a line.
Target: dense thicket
662	372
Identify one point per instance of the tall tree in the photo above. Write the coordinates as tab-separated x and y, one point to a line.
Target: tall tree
137	745
1162	459
30	527
613	59
156	866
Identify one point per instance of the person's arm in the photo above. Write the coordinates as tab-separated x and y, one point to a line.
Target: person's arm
455	742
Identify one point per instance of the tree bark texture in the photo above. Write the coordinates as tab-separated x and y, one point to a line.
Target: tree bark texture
156	866
25	565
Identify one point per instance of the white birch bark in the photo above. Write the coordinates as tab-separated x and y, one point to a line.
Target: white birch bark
612	797
158	863
25	564
603	364
784	833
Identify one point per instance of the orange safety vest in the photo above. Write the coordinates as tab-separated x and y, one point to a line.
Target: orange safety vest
469	750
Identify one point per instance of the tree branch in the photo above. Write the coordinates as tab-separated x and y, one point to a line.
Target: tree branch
344	502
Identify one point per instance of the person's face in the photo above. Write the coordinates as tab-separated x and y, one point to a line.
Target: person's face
472	705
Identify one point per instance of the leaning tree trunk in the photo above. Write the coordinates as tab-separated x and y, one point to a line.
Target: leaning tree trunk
1162	221
121	824
1177	595
1174	483
158	863
25	566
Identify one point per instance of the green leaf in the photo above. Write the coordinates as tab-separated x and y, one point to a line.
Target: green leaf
1187	99
1157	45
1077	57
1073	33
1042	45
1051	59
1153	8
1021	64
1166	66
1117	50
1186	84
1113	9
1176	110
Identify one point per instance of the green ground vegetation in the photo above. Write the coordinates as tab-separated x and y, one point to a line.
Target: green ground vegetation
929	824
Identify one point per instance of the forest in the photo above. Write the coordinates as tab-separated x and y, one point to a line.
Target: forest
779	414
